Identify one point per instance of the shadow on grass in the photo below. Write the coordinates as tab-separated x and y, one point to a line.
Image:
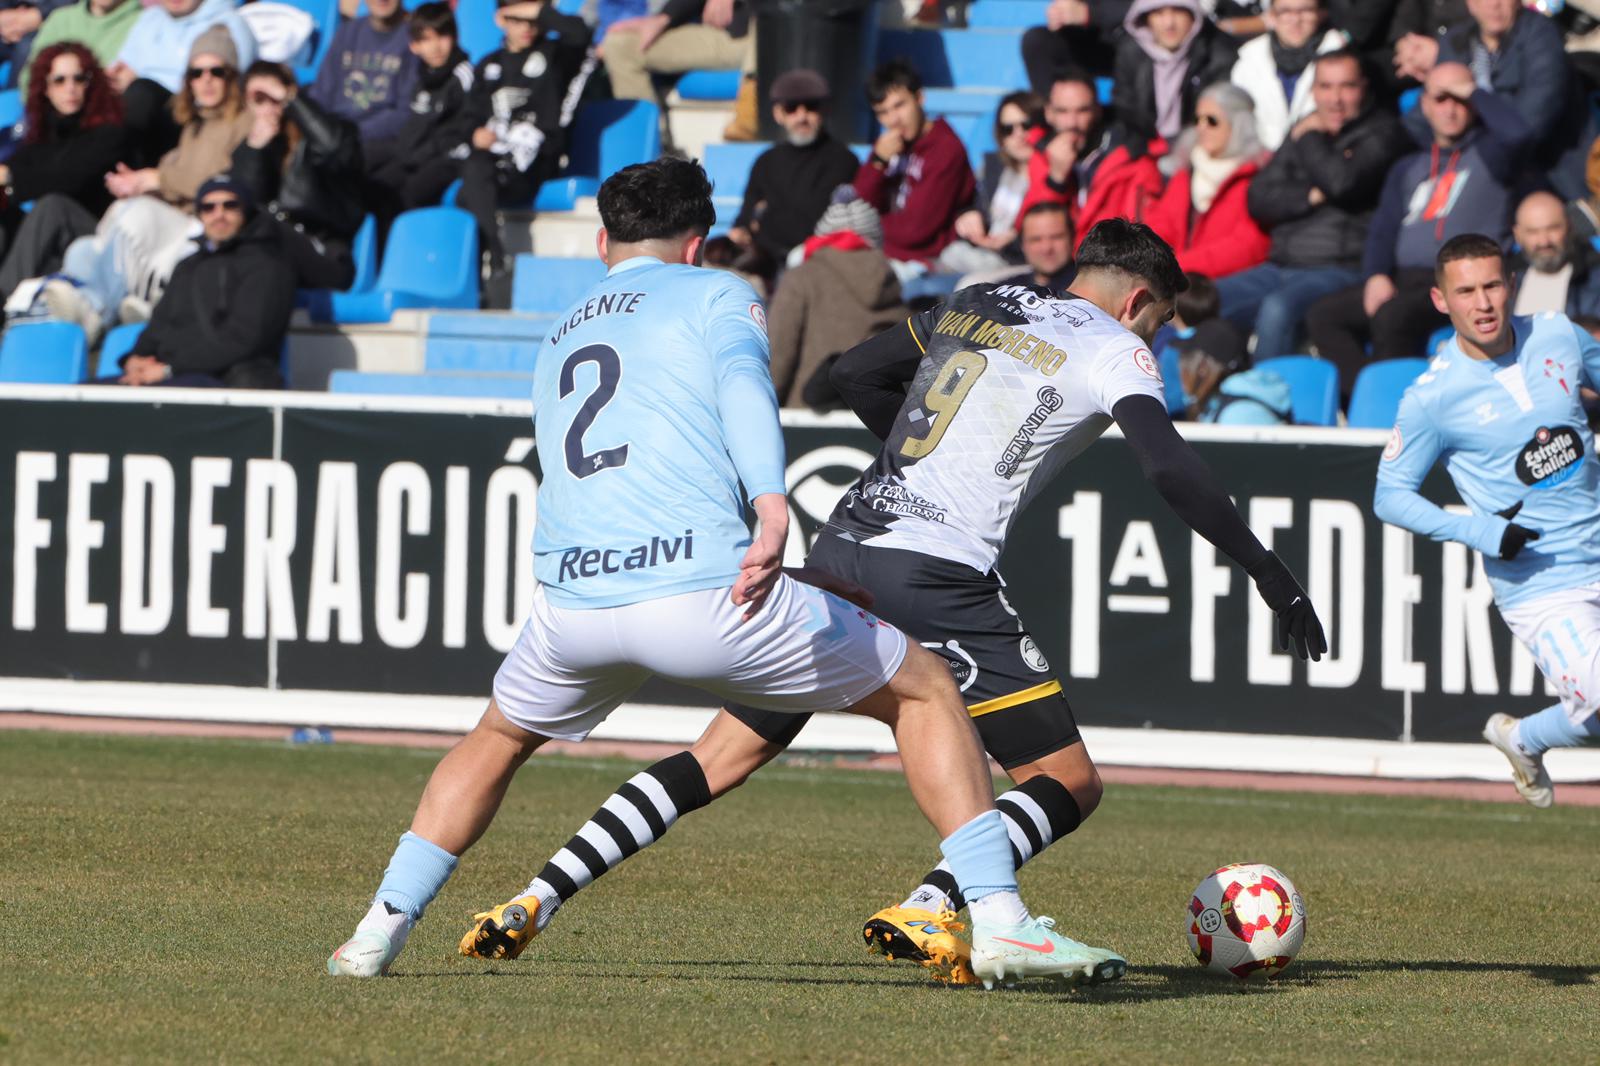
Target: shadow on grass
1144	984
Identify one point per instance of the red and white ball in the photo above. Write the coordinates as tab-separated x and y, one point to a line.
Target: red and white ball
1247	919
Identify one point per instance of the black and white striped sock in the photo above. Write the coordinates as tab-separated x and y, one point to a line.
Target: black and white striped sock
1037	813
634	817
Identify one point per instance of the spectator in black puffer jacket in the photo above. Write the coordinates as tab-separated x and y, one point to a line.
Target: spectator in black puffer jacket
226	309
518	108
303	165
414	168
1315	199
1170	53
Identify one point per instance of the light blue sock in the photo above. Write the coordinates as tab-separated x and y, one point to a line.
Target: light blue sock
1554	728
416	873
979	854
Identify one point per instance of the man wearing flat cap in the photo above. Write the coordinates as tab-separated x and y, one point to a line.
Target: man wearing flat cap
791	182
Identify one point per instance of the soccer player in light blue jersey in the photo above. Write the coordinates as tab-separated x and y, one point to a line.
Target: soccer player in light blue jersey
656	421
1500	405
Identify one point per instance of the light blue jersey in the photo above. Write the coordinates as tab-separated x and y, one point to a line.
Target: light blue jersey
1511	431
652	401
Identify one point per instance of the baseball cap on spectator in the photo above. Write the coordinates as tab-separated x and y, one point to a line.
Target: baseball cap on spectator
849	211
216	41
1218	339
800	86
229	184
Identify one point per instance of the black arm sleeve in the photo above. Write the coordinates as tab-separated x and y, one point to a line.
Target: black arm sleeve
872	377
1184	480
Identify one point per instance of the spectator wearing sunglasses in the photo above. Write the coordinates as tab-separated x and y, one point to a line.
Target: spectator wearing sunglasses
99	25
369	73
151	69
791	182
1203	212
144	234
72	137
227	307
303	166
987	236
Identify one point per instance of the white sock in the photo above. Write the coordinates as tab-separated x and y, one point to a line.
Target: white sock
549	902
928	898
392	923
1004	907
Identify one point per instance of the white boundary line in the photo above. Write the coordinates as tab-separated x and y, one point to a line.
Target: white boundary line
1167	748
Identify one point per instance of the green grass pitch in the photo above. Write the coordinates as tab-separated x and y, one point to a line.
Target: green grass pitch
173	901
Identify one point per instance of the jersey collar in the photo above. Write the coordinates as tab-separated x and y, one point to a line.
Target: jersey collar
634	263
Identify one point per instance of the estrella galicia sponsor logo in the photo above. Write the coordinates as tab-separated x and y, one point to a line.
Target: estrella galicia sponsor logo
963	667
890	495
1551	457
592	562
1017	450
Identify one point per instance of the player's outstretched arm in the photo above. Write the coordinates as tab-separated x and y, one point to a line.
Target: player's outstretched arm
1410	454
1195	495
874	375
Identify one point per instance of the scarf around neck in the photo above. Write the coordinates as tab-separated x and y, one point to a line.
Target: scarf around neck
1291	62
1206	175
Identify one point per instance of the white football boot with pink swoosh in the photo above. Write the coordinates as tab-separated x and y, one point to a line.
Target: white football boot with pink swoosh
1008	953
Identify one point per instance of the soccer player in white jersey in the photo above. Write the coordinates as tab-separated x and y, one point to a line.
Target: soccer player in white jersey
1500	405
979	402
653	403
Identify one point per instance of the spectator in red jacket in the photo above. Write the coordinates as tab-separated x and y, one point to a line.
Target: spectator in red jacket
1082	161
1202	213
918	176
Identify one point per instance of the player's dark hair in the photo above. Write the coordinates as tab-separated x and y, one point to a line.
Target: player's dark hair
1132	248
1468	246
660	200
436	16
895	74
1200	302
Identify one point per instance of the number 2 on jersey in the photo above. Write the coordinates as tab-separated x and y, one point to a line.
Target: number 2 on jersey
944	397
580	463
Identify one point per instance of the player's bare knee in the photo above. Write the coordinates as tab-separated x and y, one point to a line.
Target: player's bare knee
495	727
729	752
1071	768
924	680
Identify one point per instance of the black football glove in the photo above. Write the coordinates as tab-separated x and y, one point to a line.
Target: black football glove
1516	537
1299	629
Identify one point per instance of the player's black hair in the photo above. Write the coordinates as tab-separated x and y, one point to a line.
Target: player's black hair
895	74
436	16
660	200
1132	248
1200	302
1468	246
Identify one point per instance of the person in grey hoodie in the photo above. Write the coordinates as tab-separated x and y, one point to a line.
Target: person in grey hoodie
369	74
1170	53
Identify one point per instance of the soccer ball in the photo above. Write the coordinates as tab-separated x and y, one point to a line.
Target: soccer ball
1247	919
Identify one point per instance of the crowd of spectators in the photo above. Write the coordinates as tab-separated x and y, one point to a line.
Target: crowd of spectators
1306	159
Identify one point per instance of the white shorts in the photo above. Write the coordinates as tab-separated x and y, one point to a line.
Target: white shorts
1563	632
804	651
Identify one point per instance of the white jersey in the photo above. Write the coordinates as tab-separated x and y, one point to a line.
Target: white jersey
1013	384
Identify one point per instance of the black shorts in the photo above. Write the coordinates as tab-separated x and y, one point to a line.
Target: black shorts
962	616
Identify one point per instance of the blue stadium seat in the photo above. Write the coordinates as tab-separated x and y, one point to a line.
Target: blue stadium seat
1375	399
948	102
1313	387
709	85
44	353
1409	100
929	287
364	250
607	135
483	343
728	166
1005	14
431	261
325	14
484	386
1102	90
965	59
118	342
542	285
10	108
1440	337
1171	380
478	33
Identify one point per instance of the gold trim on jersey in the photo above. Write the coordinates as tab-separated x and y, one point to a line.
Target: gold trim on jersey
912	329
1027	695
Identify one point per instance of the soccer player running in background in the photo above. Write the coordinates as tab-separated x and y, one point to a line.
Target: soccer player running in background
652	403
1500	405
979	402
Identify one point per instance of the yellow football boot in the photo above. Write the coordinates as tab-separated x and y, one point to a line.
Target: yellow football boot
924	937
502	933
